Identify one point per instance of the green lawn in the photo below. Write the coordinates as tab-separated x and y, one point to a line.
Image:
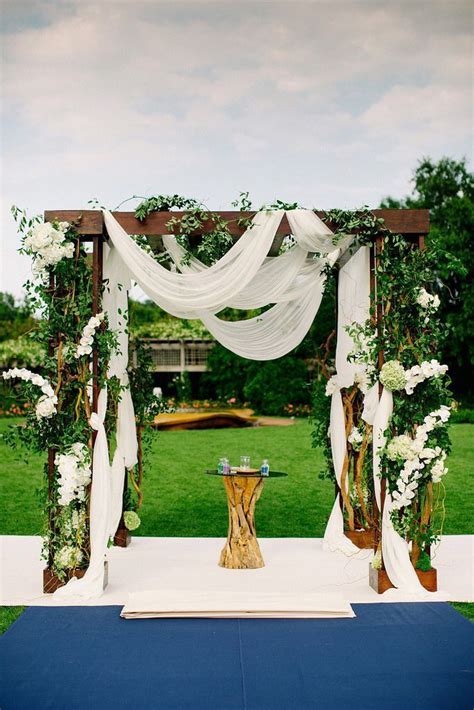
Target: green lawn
181	501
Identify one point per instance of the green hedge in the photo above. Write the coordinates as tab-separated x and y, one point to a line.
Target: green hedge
268	387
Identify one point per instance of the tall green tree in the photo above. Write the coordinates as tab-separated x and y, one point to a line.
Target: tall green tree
446	188
15	317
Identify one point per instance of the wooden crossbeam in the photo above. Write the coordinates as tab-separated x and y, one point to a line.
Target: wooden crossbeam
90	222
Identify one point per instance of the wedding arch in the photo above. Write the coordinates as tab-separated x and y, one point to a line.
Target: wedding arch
279	261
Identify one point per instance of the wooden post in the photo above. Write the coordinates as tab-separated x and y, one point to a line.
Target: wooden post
51	452
97	275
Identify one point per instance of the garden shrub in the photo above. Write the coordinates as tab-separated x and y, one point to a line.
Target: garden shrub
226	375
272	386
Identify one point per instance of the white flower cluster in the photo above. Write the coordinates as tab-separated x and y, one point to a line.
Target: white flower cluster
46	405
355	438
74	473
416	455
427	300
68	557
418	373
361	379
331	386
87	338
438	470
48	245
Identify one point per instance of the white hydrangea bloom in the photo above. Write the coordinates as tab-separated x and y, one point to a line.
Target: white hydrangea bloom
401	447
68	557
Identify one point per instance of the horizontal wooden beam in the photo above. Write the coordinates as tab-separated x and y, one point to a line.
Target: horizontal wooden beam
90	222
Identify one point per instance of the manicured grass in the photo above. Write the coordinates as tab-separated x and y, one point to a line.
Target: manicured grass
9	614
464	608
181	501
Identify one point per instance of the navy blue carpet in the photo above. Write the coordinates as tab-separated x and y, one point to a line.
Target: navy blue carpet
399	656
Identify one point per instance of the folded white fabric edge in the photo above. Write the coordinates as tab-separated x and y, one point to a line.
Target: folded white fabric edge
193	603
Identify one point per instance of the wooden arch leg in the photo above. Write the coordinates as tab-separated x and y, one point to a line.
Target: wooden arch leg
242	550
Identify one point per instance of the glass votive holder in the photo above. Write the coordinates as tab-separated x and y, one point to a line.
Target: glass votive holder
245	463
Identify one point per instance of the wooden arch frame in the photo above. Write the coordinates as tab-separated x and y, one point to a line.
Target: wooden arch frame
412	224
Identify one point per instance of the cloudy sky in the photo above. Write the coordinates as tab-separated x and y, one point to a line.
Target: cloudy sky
329	104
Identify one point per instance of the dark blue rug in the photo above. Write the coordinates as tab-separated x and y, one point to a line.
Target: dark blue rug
391	656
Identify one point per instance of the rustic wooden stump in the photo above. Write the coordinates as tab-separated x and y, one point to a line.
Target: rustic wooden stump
242	550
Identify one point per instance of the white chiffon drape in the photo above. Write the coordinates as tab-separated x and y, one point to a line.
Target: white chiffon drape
244	278
353	306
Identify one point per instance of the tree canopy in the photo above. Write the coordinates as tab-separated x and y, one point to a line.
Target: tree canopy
446	188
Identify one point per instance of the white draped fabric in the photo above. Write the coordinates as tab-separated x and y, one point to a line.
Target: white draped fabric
115	304
353	302
244	278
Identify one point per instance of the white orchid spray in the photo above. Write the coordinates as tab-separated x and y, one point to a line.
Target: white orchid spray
417	457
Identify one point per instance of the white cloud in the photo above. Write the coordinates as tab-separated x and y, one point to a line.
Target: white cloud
326	103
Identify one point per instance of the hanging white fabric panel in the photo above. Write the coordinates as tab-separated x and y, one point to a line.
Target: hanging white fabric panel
115	305
353	303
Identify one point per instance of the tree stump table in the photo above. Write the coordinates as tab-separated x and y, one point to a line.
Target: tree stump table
241	550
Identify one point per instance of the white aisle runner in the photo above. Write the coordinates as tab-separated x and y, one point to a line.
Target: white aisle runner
188	566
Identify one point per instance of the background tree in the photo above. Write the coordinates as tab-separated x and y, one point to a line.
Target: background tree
446	188
15	317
